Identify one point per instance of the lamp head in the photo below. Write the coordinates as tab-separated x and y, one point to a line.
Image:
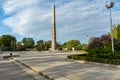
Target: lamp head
110	5
107	6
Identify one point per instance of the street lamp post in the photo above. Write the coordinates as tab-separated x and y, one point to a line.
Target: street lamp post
109	6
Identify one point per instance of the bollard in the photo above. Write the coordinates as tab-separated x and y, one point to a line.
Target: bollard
10	54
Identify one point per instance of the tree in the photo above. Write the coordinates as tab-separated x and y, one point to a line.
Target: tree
6	41
19	46
84	46
1	42
40	45
100	42
118	31
114	32
13	45
72	43
28	42
106	40
59	46
47	44
96	42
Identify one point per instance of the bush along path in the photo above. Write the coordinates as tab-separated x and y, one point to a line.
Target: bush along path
110	58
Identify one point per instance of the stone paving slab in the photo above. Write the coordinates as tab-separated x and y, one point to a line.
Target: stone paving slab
10	71
58	67
35	74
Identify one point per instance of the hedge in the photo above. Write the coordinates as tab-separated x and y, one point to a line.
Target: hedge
100	60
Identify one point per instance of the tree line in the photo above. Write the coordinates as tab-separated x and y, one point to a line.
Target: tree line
9	43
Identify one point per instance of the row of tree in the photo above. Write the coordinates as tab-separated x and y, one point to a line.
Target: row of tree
9	42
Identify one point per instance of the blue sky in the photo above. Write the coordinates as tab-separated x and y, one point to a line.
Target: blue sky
75	19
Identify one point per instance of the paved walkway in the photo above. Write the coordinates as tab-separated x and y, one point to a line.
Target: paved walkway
10	71
57	67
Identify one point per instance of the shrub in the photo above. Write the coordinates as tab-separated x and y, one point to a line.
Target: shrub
109	58
77	56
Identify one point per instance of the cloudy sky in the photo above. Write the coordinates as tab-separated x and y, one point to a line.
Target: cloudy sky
75	19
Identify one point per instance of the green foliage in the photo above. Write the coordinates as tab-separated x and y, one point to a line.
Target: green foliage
59	46
114	32
6	42
106	61
99	49
83	47
115	61
13	45
28	42
117	44
40	45
73	43
1	42
118	31
77	57
47	45
20	47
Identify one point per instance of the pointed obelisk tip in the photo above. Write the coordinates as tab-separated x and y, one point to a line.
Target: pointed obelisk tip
53	5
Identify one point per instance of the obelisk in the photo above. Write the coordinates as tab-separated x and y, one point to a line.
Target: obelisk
53	45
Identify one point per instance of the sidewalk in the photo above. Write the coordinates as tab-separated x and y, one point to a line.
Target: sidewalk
10	71
57	67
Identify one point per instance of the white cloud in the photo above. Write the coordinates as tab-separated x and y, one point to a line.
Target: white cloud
11	6
29	21
75	19
87	19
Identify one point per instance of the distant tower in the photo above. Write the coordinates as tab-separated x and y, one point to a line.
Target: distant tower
53	45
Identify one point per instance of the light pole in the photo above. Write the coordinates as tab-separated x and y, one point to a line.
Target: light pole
109	6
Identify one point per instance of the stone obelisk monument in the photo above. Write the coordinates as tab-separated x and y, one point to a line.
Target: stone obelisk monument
53	44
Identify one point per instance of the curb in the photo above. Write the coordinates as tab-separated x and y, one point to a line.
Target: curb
42	74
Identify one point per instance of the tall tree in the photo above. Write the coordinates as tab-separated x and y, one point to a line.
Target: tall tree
118	31
96	42
13	45
1	42
6	41
19	46
28	42
47	44
100	42
72	43
114	32
41	45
